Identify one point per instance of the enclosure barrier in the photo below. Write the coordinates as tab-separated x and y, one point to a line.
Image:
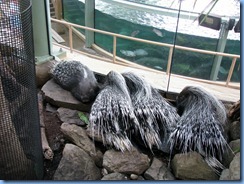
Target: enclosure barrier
170	46
20	141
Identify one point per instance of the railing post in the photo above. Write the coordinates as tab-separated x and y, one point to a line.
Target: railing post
114	48
230	71
70	39
169	60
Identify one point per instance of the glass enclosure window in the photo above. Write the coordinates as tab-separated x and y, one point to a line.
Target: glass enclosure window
191	34
162	28
74	12
139	24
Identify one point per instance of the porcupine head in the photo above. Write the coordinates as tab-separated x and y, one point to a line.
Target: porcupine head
87	88
76	78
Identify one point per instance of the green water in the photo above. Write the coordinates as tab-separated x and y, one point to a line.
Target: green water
184	62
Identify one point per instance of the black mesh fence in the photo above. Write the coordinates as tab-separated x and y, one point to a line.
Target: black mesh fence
20	141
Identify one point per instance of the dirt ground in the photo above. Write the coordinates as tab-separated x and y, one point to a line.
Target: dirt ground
56	142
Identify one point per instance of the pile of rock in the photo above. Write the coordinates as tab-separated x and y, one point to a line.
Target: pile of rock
85	159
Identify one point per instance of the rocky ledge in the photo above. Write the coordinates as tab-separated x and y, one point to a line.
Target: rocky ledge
87	159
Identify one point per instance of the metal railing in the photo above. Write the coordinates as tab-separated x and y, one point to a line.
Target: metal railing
70	26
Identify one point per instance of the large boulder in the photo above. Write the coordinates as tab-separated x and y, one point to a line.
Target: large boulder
78	136
128	162
76	164
57	96
191	166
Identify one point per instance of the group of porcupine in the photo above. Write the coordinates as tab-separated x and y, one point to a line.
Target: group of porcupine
126	108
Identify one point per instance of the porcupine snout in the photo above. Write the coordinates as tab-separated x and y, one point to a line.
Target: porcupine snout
86	91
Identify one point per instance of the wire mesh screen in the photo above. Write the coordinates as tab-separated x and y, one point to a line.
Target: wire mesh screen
20	141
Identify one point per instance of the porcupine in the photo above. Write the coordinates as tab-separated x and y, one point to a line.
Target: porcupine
112	113
76	78
155	115
201	125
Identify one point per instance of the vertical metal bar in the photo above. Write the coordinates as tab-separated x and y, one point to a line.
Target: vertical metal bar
89	21
114	48
70	39
169	60
231	71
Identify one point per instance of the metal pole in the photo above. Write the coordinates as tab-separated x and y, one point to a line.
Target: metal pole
41	26
220	48
89	21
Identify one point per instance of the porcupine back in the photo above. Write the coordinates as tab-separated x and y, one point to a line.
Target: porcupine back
112	113
201	125
155	115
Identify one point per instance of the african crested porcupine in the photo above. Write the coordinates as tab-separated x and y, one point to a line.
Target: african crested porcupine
112	113
76	78
155	115
201	125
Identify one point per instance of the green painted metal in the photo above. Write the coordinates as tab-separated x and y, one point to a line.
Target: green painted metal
41	28
89	21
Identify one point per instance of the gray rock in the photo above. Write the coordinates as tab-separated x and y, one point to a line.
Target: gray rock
230	153
70	116
158	171
191	166
115	176
225	175
94	135
57	96
235	168
76	164
128	162
134	177
43	72
50	108
78	136
235	130
140	178
104	171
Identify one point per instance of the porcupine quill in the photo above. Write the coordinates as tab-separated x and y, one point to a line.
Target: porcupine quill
201	125
155	115
112	113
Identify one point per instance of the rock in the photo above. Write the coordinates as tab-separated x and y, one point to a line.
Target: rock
133	177
158	171
70	116
104	171
234	111
235	146
234	168
94	135
140	178
235	130
43	72
57	96
115	176
50	108
76	164
78	136
225	175
128	162
191	166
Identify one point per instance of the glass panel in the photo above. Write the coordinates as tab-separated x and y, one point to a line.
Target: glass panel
136	23
193	67
74	12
